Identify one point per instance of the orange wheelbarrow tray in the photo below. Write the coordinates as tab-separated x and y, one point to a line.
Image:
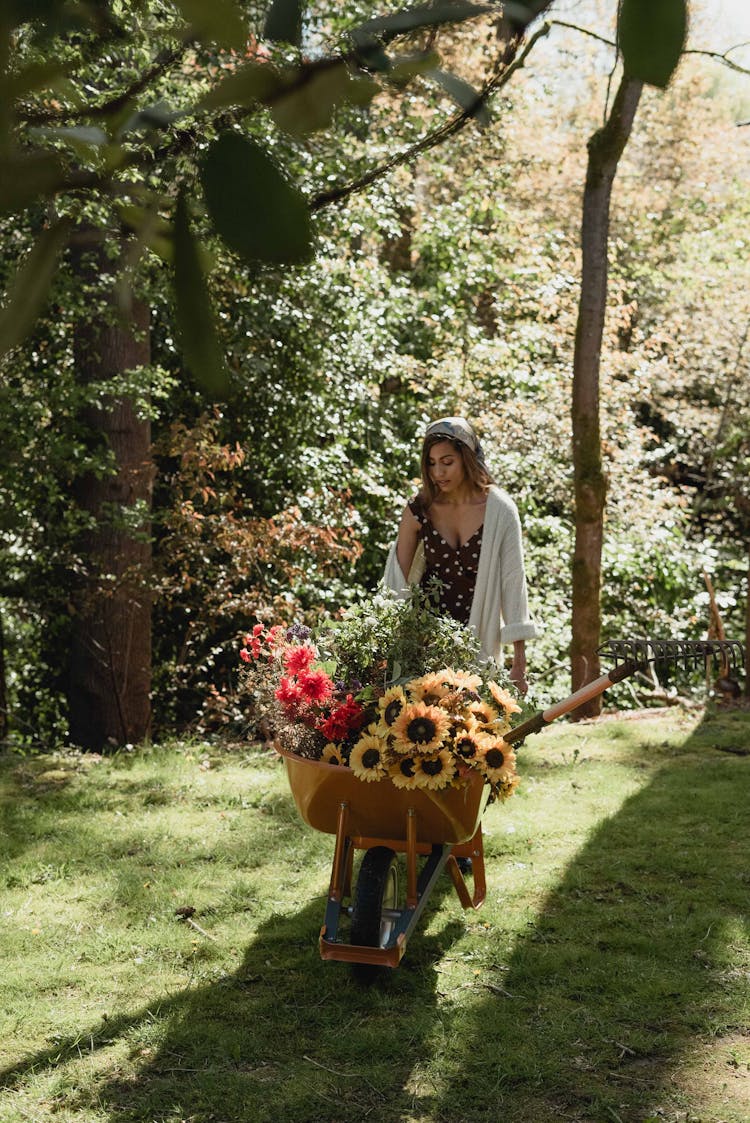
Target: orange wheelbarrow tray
385	821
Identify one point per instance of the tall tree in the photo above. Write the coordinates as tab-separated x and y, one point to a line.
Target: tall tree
605	148
109	673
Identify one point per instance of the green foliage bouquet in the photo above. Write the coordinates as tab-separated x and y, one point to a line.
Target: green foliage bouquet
391	690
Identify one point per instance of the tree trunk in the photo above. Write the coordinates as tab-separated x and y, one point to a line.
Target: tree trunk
605	148
3	686
747	631
109	681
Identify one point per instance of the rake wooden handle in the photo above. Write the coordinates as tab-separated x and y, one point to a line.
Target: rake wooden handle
592	689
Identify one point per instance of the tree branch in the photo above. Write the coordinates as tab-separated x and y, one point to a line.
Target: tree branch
719	56
437	136
27	115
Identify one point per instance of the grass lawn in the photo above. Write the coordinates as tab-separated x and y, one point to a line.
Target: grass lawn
605	979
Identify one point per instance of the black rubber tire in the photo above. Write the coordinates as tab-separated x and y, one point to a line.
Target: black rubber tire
376	889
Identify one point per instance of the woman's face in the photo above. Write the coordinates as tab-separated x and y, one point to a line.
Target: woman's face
446	467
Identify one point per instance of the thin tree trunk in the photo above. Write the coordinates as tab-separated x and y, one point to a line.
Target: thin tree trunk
747	631
605	148
109	682
3	686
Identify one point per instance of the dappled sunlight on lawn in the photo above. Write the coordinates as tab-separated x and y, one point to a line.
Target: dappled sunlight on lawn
604	979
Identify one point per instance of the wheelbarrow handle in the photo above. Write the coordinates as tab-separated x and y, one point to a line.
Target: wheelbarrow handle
592	690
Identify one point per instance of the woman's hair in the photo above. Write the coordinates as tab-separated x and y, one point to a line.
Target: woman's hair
476	472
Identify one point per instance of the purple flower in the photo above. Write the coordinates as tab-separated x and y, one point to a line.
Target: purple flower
297	632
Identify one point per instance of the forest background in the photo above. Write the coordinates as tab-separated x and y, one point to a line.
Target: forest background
447	285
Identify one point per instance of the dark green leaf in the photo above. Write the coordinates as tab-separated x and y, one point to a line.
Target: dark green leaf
256	210
38	76
154	231
652	37
310	103
284	22
405	67
216	21
425	15
81	137
254	82
156	116
195	317
462	93
29	289
24	178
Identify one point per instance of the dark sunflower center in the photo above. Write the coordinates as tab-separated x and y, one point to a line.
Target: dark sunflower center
420	730
406	766
466	747
433	767
392	710
371	758
495	758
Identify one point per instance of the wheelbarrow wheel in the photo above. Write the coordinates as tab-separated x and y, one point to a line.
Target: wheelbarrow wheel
375	892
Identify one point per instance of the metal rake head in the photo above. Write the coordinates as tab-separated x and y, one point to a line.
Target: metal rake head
729	655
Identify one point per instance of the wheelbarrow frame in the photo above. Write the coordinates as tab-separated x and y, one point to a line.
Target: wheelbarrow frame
438	826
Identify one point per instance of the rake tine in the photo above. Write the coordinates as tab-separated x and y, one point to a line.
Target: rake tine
665	653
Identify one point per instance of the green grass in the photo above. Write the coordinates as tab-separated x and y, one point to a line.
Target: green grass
606	978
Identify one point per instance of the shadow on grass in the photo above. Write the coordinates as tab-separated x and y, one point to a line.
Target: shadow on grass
278	1039
631	962
627	963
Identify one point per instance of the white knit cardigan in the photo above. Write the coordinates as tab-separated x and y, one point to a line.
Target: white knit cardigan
500	609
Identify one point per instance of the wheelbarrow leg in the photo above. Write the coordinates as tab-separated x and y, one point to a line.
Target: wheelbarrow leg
341	872
474	850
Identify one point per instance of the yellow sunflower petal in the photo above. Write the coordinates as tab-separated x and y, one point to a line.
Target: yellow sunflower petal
484	713
498	761
464	680
367	758
420	728
405	772
504	698
391	705
439	770
468	745
332	754
430	688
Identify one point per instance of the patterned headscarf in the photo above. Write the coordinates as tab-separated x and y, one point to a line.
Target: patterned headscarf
457	429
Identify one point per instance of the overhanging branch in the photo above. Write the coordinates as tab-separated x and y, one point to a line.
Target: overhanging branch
432	139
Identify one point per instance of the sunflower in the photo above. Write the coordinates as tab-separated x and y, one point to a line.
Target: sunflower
436	771
468	745
504	698
420	728
332	754
405	772
507	787
367	758
498	761
391	705
464	680
430	688
454	703
484	712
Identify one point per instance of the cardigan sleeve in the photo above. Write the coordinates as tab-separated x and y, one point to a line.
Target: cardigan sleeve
514	602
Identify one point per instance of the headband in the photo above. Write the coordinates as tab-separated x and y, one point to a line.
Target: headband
457	429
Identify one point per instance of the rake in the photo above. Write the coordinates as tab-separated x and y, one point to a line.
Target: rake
630	656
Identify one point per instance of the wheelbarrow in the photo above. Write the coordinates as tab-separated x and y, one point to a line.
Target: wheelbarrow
440	827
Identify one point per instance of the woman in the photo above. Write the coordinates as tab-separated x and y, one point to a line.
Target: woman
465	531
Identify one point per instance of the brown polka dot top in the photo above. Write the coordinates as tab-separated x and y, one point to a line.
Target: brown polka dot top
455	567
